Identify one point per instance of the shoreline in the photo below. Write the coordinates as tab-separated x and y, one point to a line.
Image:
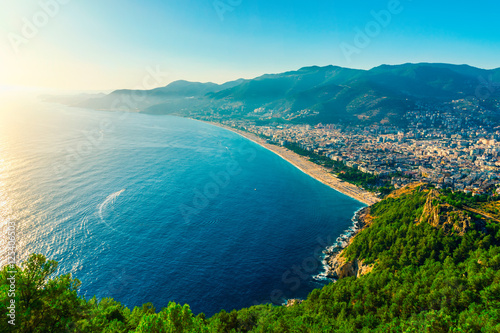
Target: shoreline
332	253
303	164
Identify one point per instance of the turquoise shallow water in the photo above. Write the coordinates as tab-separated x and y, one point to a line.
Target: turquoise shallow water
156	208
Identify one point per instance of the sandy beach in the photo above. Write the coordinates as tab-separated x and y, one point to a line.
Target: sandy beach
316	171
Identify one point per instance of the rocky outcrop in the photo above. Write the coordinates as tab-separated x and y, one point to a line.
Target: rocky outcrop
293	301
444	216
338	266
436	212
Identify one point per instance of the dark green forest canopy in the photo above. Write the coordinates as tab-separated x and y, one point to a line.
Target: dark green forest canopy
426	278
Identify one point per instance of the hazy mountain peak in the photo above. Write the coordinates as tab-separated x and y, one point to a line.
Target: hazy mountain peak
313	94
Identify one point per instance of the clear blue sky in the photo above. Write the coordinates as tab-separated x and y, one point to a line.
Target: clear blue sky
90	44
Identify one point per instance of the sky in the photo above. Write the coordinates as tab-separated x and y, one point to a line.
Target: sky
112	44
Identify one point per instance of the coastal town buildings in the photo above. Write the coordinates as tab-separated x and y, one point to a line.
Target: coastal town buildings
453	145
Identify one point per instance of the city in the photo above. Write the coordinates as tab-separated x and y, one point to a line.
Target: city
454	146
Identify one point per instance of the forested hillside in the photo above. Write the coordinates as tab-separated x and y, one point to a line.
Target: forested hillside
331	94
431	273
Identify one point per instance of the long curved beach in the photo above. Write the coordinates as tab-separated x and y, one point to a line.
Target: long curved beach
302	163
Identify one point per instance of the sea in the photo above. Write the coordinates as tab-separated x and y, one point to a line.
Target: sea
160	209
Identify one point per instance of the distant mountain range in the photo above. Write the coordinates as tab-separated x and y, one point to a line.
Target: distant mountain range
314	94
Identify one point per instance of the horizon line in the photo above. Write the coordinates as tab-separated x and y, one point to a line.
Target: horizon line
19	88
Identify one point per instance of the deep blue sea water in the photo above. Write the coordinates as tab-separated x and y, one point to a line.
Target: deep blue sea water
156	208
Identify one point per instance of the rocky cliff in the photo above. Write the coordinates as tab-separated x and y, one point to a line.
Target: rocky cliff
341	268
445	216
338	266
436	212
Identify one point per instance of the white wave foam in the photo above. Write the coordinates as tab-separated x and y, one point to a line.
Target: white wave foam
109	201
340	243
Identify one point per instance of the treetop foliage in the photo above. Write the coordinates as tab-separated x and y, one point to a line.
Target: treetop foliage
424	280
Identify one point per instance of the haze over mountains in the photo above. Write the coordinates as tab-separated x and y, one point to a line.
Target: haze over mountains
315	94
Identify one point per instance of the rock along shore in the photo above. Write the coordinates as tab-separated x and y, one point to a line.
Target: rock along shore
337	266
